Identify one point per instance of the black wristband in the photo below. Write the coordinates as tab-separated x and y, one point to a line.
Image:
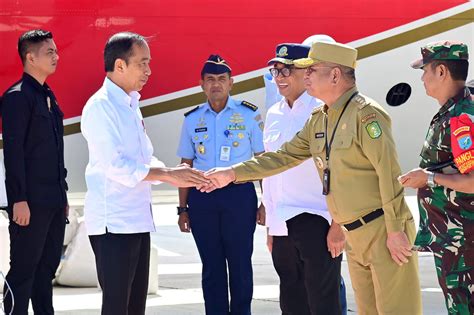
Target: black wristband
182	210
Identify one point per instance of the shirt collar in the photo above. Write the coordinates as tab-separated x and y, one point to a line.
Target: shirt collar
301	101
463	93
341	101
129	100
42	88
230	104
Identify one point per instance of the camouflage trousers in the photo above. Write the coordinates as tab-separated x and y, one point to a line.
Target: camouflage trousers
456	277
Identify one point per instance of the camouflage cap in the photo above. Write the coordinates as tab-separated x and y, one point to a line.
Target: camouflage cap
445	50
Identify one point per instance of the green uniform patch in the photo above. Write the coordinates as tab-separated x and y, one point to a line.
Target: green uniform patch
374	130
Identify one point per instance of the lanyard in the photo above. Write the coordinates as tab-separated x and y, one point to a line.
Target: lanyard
328	147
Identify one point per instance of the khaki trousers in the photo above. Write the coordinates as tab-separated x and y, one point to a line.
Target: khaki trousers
380	285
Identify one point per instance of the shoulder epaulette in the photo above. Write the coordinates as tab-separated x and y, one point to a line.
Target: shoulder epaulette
192	110
249	105
316	110
360	100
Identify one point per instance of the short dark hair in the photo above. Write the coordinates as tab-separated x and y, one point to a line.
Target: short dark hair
120	46
457	68
31	39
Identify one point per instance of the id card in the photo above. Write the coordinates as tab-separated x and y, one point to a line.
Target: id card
326	181
225	153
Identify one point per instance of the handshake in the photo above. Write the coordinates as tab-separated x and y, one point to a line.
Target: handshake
185	176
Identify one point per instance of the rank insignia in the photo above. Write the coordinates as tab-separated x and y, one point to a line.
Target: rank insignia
201	149
240	135
374	130
235	144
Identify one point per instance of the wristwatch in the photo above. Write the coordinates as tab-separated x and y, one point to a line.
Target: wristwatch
182	210
430	181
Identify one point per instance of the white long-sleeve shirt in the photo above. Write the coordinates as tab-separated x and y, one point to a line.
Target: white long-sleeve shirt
296	190
120	156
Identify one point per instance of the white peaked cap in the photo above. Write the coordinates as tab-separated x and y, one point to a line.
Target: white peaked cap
318	38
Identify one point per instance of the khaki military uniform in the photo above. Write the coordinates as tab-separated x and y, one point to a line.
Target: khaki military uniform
364	169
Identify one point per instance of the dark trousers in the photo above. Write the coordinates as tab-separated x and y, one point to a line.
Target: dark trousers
35	253
122	262
223	224
310	278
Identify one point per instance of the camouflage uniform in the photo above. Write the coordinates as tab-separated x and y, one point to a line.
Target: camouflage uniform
447	216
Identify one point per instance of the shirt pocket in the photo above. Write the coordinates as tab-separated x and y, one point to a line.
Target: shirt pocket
342	142
270	140
202	145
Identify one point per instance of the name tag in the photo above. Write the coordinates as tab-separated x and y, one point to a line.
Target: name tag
225	153
200	129
319	135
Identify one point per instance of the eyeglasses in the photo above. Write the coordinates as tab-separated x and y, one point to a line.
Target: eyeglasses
285	72
310	70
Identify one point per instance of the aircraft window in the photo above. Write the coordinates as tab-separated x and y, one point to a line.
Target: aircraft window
398	94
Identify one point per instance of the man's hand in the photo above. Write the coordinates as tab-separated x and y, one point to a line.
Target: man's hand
261	215
399	247
335	240
184	222
184	176
416	178
21	213
220	177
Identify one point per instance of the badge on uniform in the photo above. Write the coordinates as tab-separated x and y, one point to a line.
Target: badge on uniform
225	153
201	148
374	130
202	129
462	131
240	135
235	144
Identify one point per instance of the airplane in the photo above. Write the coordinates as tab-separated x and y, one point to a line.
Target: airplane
182	34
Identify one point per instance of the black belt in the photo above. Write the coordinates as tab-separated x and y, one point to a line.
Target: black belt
364	220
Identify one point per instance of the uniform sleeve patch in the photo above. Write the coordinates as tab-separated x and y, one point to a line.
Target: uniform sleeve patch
368	117
374	130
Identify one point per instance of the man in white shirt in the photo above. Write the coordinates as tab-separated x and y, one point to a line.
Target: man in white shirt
304	243
119	174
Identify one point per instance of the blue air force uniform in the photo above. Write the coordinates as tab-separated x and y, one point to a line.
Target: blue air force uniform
223	221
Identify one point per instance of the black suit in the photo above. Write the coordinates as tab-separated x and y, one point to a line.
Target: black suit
34	169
